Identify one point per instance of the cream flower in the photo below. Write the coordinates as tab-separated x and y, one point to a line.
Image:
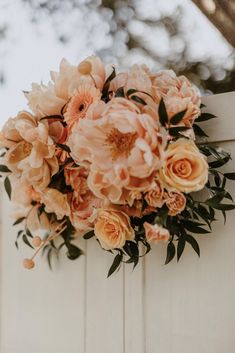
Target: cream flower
175	202
83	97
55	202
122	148
155	233
136	78
185	168
178	94
155	196
43	101
31	150
113	229
93	70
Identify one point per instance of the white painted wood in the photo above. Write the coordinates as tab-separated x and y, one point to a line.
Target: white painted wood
41	311
187	307
223	106
104	303
190	306
134	327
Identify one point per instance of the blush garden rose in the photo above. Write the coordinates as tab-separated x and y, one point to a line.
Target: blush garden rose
115	156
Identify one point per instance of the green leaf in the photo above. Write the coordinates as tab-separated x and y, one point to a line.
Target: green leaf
180	247
194	227
198	131
89	235
163	116
64	147
205	117
192	241
115	265
215	200
120	92
176	119
4	169
18	221
25	240
138	99
220	162
170	253
230	176
7	185
73	251
175	131
224	207
131	91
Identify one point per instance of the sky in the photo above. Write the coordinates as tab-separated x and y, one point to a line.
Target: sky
31	51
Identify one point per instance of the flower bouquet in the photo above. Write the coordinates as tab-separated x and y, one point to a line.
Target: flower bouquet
115	156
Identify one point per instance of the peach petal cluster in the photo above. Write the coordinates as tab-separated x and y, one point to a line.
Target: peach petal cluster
185	169
175	202
113	228
155	233
121	147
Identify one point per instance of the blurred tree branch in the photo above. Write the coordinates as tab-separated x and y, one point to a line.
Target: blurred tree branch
222	14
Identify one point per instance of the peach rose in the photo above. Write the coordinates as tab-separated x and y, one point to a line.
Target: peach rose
155	196
55	202
175	202
121	147
113	229
155	233
185	168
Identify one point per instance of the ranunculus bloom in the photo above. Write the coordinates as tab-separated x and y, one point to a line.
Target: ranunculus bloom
155	233
185	168
178	94
82	98
123	148
155	196
31	154
113	229
55	202
175	202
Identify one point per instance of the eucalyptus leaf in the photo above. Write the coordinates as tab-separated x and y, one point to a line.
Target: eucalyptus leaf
163	116
170	252
7	185
115	265
4	169
176	119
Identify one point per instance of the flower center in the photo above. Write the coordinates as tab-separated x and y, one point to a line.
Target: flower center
183	168
120	143
26	148
81	107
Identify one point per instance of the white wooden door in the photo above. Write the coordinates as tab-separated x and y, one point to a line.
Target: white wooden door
187	307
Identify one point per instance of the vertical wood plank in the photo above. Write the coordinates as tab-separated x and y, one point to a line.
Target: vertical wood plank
42	311
134	309
104	303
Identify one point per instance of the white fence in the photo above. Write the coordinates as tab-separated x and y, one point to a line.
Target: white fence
179	308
